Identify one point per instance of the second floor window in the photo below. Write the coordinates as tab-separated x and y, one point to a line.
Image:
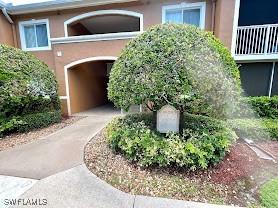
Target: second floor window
34	35
185	13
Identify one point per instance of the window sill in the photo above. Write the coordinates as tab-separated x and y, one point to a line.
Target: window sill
37	49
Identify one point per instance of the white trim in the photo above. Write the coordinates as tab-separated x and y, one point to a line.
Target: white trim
103	12
63	97
235	25
68	66
187	6
243	58
21	25
92	38
271	80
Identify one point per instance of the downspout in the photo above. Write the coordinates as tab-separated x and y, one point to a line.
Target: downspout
213	16
5	13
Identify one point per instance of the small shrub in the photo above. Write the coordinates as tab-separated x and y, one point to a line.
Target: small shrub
255	128
199	147
269	194
265	107
29	122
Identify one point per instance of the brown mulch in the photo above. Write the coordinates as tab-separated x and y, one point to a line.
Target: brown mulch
23	138
233	181
240	163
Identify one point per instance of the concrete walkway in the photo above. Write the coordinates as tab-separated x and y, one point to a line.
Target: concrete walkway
78	187
52	169
52	154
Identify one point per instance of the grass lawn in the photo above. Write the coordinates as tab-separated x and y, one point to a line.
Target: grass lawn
233	181
256	128
269	194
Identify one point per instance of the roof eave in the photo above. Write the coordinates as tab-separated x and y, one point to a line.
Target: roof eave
57	5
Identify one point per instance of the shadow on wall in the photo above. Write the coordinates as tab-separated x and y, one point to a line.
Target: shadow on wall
88	85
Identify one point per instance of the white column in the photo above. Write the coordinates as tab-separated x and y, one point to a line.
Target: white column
271	79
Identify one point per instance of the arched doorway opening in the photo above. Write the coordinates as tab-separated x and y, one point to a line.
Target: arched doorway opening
86	84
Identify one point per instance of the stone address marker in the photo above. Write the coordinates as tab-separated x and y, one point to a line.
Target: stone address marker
168	119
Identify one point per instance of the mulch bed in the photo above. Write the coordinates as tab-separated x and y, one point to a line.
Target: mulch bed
23	138
234	181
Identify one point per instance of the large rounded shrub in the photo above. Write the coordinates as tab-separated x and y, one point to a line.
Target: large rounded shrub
179	65
27	87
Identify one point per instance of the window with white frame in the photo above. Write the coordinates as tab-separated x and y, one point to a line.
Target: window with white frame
34	35
185	13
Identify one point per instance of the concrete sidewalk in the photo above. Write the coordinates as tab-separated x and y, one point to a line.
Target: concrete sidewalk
78	187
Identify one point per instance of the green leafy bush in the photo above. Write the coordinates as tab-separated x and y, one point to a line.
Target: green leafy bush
198	147
29	122
269	194
265	106
255	128
179	65
27	86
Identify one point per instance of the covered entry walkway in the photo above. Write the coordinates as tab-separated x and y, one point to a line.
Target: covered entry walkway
87	81
103	110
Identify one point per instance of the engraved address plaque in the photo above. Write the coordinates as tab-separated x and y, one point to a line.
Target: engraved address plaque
168	119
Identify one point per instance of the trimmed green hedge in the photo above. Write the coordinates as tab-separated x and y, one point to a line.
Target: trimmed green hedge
203	141
265	107
256	128
29	122
27	85
176	64
28	92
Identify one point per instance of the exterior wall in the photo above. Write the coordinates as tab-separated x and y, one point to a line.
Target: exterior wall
77	51
152	14
87	85
152	11
224	21
6	32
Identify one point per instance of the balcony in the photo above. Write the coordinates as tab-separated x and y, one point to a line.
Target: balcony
257	42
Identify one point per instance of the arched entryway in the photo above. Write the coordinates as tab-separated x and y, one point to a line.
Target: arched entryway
104	22
86	83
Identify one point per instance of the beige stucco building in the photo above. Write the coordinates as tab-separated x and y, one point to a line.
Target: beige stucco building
80	40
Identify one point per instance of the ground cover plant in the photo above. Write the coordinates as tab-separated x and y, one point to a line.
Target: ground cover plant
203	141
28	92
269	193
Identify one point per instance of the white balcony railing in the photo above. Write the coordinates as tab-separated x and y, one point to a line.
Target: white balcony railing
257	40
